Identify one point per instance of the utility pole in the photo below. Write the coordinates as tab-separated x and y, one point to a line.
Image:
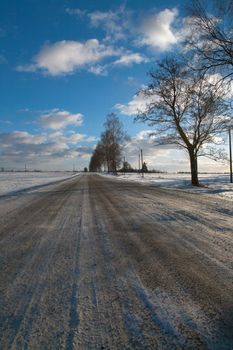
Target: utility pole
124	165
139	163
73	167
142	161
230	152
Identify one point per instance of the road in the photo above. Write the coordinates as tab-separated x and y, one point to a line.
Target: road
96	263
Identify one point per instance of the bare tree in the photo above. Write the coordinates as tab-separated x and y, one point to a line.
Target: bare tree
97	159
127	167
187	111
112	140
211	36
108	150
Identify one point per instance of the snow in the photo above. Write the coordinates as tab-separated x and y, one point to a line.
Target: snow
13	182
213	184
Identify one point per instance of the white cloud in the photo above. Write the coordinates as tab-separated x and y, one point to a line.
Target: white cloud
216	79
99	17
98	70
65	57
126	59
130	58
114	23
156	31
68	137
75	12
76	137
19	146
22	137
144	134
59	119
137	105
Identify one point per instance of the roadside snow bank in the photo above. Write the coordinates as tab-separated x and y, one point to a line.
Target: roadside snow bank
11	182
214	184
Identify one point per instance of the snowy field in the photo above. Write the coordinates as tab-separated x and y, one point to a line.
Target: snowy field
214	184
11	182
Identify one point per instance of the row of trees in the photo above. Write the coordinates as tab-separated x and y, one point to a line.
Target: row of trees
107	154
191	101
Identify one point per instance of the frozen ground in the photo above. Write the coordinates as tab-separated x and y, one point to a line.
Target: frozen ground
95	263
12	182
214	184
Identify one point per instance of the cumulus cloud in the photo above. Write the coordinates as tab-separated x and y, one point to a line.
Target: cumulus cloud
59	119
76	137
130	58
98	56
99	69
119	25
115	23
145	134
156	31
65	57
20	137
18	146
98	17
137	105
126	59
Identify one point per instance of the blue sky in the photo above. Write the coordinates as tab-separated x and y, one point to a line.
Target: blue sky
65	65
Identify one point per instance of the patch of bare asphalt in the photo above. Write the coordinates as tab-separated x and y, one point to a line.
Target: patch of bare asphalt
93	263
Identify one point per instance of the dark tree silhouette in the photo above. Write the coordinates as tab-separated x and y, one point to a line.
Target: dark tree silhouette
126	167
144	168
97	159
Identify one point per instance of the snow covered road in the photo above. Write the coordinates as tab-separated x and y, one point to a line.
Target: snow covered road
95	263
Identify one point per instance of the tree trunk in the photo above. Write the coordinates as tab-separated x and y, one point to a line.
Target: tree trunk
114	168
193	167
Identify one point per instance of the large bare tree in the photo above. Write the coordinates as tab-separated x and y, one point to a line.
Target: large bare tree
187	110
